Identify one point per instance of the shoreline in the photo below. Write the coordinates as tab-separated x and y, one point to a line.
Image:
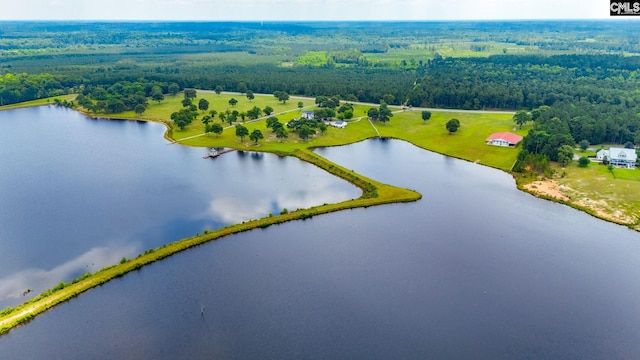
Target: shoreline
524	187
373	193
549	189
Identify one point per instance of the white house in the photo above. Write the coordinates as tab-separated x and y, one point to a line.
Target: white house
309	115
338	124
506	139
619	157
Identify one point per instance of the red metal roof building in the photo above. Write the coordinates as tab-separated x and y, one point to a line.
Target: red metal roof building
504	139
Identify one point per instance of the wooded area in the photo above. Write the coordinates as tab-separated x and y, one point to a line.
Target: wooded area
582	77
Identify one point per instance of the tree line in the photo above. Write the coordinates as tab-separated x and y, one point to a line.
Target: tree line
527	82
15	88
595	96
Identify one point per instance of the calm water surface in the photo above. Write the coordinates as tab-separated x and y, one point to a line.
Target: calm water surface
78	194
475	270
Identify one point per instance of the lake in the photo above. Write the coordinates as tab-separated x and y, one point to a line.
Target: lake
474	270
79	194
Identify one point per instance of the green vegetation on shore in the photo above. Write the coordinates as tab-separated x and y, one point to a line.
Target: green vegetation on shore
580	71
406	125
39	102
373	193
607	193
467	143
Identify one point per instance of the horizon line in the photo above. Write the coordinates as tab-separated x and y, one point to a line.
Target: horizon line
613	18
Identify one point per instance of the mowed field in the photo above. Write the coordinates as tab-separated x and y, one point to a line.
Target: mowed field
467	143
162	111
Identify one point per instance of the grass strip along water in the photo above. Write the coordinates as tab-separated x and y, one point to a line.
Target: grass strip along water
373	193
468	144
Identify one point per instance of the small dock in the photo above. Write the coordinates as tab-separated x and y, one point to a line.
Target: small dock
216	153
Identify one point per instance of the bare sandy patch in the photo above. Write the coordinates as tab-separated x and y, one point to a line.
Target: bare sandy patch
601	208
547	188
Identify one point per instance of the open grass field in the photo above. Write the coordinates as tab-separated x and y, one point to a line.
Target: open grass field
467	143
589	189
612	195
451	48
162	111
412	55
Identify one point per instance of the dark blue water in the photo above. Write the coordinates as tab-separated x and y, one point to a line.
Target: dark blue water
78	194
475	270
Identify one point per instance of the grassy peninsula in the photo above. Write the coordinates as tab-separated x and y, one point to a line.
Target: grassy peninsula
373	193
406	124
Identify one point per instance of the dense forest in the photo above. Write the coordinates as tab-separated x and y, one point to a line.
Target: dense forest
527	81
575	78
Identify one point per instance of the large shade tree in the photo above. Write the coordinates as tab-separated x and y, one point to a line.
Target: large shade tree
203	105
256	135
452	125
241	131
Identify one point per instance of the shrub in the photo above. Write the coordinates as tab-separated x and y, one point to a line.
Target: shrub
6	311
583	161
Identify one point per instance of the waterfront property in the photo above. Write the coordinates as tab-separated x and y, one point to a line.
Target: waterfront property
403	282
618	157
506	139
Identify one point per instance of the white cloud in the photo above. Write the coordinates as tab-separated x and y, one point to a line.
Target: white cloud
302	9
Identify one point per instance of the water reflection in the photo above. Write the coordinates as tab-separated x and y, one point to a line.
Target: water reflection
475	270
257	155
92	182
15	285
231	209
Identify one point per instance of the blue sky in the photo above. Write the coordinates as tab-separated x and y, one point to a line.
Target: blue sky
301	9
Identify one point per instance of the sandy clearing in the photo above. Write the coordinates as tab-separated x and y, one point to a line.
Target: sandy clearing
548	188
601	208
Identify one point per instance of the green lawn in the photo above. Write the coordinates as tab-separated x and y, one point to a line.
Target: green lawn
162	111
468	143
626	174
44	101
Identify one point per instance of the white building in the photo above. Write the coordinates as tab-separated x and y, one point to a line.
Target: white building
338	124
505	139
619	157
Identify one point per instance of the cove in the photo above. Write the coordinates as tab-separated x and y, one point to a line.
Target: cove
79	194
476	269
